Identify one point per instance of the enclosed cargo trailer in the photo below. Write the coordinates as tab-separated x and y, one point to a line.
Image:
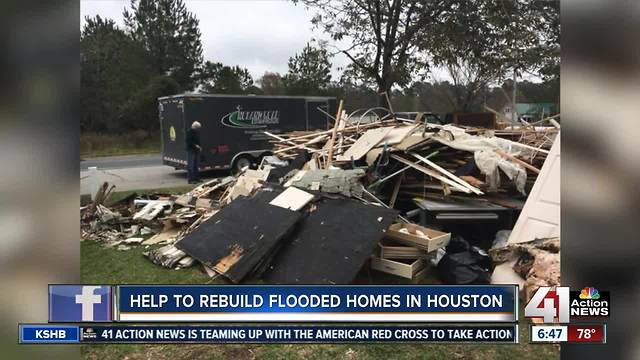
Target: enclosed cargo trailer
232	133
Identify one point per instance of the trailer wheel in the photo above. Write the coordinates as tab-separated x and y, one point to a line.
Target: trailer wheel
240	163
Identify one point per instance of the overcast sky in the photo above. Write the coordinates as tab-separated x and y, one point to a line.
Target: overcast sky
259	35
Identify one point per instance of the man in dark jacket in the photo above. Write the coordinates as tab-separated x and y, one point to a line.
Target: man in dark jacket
193	152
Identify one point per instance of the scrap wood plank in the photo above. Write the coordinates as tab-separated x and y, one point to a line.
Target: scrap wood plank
223	182
331	244
397	135
346	129
168	233
411	141
518	161
430	173
364	144
294	147
448	174
472	180
236	239
292	198
333	134
150	211
515	143
396	189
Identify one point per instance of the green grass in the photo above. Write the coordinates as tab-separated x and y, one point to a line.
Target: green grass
100	265
134	142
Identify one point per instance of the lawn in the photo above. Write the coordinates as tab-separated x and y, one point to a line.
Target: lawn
108	266
135	142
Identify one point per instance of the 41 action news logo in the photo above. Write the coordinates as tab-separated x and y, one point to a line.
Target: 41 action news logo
560	304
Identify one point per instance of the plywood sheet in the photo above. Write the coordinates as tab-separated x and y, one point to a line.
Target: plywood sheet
366	142
237	239
331	244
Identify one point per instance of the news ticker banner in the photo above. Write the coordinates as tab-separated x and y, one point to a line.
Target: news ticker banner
248	303
227	334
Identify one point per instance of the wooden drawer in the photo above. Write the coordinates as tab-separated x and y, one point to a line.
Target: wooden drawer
404	268
436	240
392	250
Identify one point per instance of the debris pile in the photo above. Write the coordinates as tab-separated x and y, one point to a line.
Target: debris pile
327	202
537	261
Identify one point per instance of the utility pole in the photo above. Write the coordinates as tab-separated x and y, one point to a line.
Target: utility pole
514	116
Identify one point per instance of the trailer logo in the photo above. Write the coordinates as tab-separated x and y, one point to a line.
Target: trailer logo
251	119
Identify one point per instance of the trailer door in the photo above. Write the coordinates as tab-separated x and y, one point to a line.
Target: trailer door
172	131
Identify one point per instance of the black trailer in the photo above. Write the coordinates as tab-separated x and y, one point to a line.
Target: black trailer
232	133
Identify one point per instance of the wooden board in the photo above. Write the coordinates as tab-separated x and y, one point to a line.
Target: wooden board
331	244
397	135
235	240
292	198
411	141
366	142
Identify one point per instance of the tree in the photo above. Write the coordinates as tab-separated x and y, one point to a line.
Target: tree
309	72
170	34
496	38
112	68
384	35
271	83
222	79
395	42
469	82
141	111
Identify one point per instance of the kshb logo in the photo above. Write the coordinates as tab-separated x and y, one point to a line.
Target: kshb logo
79	303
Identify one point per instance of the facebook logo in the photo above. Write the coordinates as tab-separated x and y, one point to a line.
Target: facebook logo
79	303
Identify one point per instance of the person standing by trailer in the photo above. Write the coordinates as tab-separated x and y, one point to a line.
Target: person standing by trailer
233	134
192	142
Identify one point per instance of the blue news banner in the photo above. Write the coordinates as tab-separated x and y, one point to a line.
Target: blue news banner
288	303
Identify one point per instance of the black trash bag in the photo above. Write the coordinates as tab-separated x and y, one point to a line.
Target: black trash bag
464	264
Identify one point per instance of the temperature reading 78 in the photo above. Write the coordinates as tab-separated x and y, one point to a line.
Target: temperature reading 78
585	333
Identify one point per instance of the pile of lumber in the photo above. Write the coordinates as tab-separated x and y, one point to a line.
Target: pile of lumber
421	159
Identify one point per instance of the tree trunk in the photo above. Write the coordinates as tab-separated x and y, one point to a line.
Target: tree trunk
382	100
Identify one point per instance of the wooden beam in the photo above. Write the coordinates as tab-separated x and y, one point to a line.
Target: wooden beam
333	135
295	146
430	173
516	160
396	189
447	174
348	128
549	118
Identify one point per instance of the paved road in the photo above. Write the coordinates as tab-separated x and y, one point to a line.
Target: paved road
134	172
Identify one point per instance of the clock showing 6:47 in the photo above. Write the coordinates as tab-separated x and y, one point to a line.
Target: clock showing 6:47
548	333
